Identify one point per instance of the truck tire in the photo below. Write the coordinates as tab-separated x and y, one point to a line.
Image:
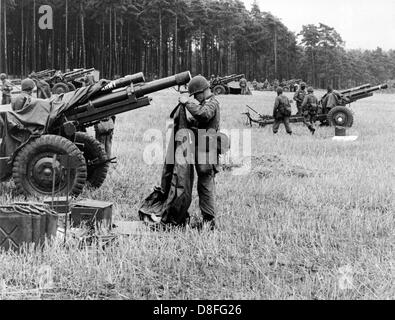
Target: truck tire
93	150
33	172
60	88
219	89
341	116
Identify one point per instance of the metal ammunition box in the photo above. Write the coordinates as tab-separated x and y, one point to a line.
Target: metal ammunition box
92	213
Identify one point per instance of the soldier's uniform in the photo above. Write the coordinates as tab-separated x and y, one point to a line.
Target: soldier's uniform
104	132
299	97
6	88
20	101
310	110
281	112
206	116
25	97
244	87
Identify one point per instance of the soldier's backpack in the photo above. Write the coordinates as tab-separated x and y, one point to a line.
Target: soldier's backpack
284	109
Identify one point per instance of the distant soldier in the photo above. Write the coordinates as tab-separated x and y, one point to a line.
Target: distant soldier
266	84
310	109
281	112
255	84
299	97
25	97
245	90
6	88
43	89
331	99
276	83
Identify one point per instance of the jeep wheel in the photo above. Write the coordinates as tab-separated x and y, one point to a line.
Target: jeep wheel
34	167
218	90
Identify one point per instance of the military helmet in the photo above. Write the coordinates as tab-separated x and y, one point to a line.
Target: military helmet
310	90
303	84
198	84
27	84
280	90
3	76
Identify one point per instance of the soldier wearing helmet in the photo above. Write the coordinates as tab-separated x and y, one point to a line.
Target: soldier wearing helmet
299	97
6	88
25	97
205	111
281	112
310	109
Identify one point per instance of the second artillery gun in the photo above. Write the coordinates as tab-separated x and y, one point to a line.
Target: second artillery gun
221	85
60	82
33	151
340	115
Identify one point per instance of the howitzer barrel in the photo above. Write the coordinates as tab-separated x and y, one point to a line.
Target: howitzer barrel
114	97
367	91
123	82
364	86
157	85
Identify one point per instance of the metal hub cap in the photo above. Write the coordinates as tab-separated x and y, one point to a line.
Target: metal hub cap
341	118
42	173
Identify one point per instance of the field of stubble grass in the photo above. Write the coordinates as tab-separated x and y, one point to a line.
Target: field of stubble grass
328	235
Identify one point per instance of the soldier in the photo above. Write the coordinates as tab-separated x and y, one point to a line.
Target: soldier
25	97
281	112
205	116
266	84
255	84
299	97
245	90
104	132
6	89
276	83
310	109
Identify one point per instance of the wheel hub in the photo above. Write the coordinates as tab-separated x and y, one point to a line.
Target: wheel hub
341	118
43	172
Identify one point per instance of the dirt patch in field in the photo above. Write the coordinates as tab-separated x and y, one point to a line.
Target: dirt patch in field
266	166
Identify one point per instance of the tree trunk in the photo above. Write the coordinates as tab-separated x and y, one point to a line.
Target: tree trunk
5	38
160	44
175	47
66	61
82	14
275	54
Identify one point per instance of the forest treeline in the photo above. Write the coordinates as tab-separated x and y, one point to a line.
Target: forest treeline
163	37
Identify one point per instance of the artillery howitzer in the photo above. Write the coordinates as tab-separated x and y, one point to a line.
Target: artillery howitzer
37	161
340	115
221	85
61	82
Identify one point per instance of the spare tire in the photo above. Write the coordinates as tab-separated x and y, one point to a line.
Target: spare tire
96	159
341	116
34	167
60	88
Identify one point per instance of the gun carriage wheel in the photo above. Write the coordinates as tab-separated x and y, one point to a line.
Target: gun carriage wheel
60	88
219	89
34	167
71	86
341	116
96	159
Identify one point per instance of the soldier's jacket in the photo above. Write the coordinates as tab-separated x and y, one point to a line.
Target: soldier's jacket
20	101
331	99
205	116
299	96
282	107
6	88
310	103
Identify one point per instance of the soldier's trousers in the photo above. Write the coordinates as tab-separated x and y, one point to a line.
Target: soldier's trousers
300	110
309	121
106	140
6	99
286	123
206	189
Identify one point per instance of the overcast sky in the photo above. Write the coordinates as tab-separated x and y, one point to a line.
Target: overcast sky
365	24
